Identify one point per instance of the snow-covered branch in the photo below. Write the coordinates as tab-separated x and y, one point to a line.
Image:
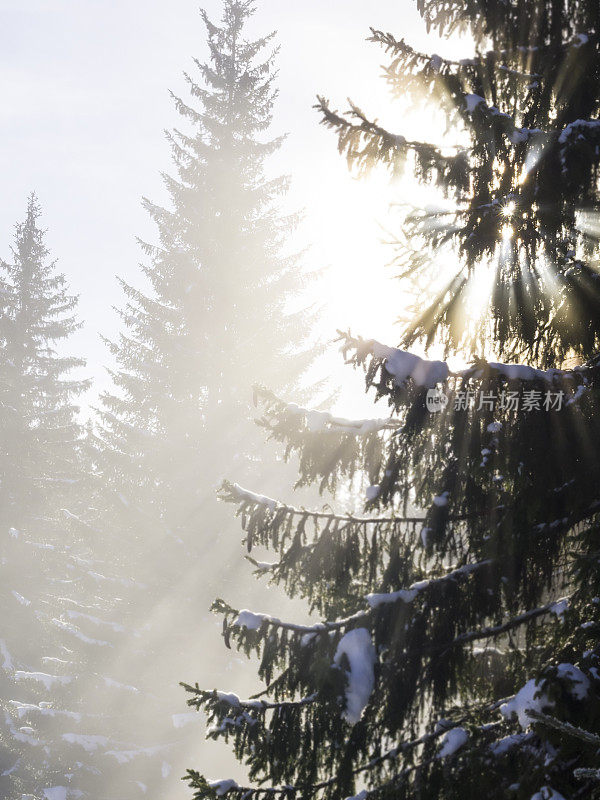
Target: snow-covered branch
317	421
253	621
444	728
403	365
234	493
408	595
587	773
232	701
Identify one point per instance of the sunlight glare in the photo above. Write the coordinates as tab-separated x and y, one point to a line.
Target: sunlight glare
507	232
533	156
479	290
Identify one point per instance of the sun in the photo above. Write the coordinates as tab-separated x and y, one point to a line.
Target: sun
509	209
358	289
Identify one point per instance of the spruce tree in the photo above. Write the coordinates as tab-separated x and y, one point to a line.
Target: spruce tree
218	316
39	428
456	652
64	729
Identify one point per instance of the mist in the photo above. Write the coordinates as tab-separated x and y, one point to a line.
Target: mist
133	333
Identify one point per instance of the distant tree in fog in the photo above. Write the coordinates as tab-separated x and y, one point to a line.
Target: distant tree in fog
39	431
217	319
65	727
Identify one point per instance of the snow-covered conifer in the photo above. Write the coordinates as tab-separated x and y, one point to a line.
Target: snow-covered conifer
456	651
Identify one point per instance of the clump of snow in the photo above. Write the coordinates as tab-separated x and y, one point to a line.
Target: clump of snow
581	389
521	135
75	631
222	787
373	492
89	743
127	756
453	741
230	698
560	607
529	698
403	365
56	793
262	566
522	372
250	620
115	626
532	697
472	101
435	62
251	497
358	648
44	709
507	743
494	427
214	729
518	136
577	126
42	677
317	421
406	595
360	796
579	682
116	685
308	638
547	793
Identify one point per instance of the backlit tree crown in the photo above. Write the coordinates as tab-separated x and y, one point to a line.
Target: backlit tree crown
523	188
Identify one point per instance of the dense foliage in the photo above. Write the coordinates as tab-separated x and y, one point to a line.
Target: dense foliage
457	652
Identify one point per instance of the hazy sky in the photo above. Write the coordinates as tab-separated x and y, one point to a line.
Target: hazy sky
84	105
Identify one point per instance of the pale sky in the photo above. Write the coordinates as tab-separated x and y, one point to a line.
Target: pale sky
84	104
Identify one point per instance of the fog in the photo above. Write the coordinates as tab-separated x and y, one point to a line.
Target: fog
112	553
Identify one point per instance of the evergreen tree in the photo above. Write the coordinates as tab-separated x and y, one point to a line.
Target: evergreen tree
220	313
457	656
39	429
218	317
62	731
